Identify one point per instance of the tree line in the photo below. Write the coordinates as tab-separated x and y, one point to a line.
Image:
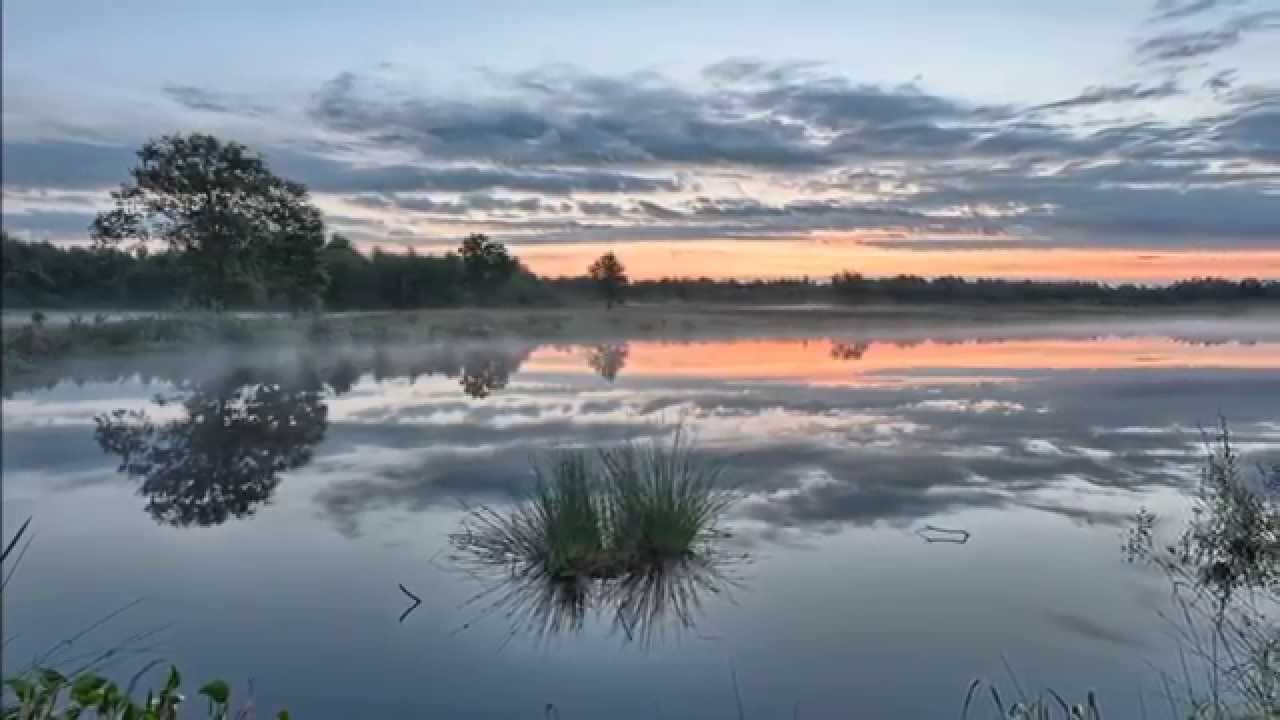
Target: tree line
232	234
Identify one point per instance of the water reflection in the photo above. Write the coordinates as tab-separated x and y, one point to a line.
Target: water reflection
221	458
608	360
816	430
656	600
840	452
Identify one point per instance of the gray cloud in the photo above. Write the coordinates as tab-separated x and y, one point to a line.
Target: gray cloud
1193	44
194	98
765	117
1185	45
78	165
1123	203
567	119
661	212
334	176
1100	94
1165	10
470	202
1221	80
1253	133
608	209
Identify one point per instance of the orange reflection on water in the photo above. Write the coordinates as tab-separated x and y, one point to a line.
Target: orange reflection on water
835	361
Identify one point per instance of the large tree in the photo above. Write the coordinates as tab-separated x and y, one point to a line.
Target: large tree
244	232
610	278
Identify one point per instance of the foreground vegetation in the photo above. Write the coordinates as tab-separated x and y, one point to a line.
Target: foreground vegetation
45	693
1223	569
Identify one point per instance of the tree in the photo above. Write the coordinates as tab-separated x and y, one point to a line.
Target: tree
610	278
243	231
486	264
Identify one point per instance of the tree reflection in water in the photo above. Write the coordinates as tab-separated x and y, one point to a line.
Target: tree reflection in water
222	457
608	360
644	604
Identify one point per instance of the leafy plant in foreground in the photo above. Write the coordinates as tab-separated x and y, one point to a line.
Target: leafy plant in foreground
48	695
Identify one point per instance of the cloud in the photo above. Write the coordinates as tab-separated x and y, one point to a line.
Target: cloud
571	118
194	98
1253	133
78	165
1221	80
1100	94
661	212
761	149
545	128
608	209
336	176
1188	45
1117	204
48	224
1178	9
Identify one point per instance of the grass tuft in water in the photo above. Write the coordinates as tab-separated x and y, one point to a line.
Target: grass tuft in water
603	514
662	499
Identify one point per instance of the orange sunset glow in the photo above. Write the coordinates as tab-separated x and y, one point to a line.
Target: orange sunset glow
722	259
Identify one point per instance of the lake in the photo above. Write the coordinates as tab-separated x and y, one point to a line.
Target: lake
267	542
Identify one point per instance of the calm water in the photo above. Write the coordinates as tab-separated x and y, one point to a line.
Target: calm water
268	544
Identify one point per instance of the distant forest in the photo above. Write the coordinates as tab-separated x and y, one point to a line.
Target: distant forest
48	276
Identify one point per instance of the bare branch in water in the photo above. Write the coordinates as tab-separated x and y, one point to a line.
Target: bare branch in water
416	602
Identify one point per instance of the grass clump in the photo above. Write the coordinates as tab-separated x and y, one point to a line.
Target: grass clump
561	527
605	513
662	499
630	529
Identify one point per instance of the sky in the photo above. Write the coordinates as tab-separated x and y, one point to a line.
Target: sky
1125	140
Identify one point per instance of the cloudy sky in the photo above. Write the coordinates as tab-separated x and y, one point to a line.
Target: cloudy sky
1123	139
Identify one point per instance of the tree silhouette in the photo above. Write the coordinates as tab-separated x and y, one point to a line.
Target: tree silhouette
242	230
222	458
610	278
608	360
486	263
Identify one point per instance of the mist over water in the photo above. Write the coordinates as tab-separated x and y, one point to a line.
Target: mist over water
265	505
